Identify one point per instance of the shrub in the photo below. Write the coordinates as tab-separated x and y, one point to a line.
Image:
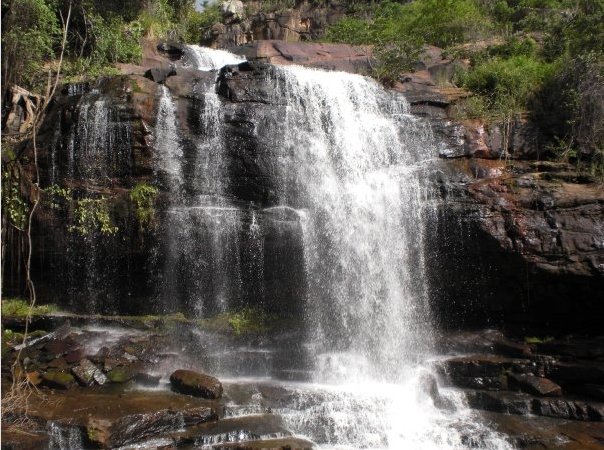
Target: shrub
507	84
115	41
143	196
29	31
91	215
197	23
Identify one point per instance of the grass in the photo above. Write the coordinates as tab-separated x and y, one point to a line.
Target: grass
538	340
245	321
17	307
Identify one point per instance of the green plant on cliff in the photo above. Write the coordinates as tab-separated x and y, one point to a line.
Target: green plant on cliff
14	207
91	215
57	196
143	197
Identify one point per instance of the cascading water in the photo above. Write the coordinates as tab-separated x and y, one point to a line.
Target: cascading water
355	163
203	58
349	166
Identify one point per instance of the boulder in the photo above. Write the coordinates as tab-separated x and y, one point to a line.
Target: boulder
197	384
535	385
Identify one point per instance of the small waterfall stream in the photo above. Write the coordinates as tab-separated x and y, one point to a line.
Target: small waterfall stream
350	168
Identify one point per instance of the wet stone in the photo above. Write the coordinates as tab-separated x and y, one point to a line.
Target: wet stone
58	379
122	374
503	402
569	409
59	347
136	427
74	356
485	383
87	373
197	384
146	379
535	385
59	363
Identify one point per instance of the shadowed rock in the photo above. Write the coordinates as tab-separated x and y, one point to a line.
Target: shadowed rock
535	385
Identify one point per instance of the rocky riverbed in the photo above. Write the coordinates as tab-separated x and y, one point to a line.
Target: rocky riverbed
112	382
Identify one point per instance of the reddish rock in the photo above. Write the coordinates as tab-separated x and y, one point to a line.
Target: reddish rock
342	57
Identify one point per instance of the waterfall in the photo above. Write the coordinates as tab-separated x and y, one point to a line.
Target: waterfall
348	164
355	168
202	58
204	229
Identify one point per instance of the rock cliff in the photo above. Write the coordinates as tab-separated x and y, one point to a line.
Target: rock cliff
518	240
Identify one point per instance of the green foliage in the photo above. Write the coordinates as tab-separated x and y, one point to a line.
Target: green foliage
29	32
269	6
248	320
14	206
91	215
241	322
198	23
400	30
17	307
437	22
156	20
143	196
115	41
57	195
538	340
507	85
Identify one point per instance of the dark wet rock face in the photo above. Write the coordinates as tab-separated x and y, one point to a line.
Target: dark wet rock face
535	385
136	427
514	241
196	384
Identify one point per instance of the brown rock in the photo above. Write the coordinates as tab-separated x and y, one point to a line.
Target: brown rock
535	385
58	379
135	427
196	384
342	57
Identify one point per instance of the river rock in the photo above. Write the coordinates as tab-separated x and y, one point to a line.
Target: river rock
123	373
535	385
196	384
136	427
87	373
57	379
